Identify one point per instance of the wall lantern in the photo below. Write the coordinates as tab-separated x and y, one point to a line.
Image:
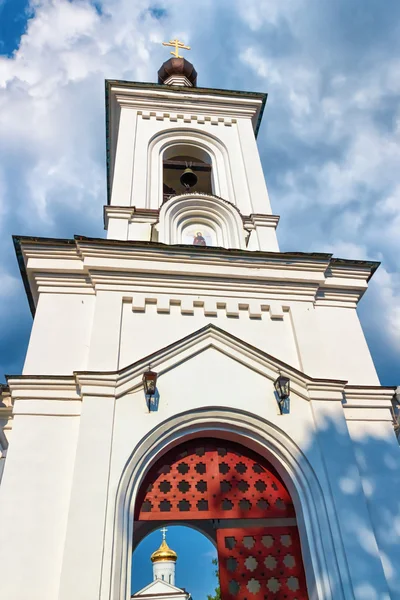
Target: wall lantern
149	384
282	388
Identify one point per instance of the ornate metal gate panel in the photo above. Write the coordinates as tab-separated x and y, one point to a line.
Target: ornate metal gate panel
231	485
261	563
208	479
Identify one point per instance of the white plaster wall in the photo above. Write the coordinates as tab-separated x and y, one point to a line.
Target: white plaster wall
165	571
331	343
34	502
106	332
145	332
212	379
338	454
378	457
346	355
60	336
74	332
83	544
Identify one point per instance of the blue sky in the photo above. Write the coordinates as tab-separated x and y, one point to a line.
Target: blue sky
329	142
194	570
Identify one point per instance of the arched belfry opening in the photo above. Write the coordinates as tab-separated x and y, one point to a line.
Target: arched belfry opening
179	158
238	499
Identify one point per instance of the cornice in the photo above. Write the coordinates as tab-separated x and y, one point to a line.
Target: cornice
258	220
129	213
184	100
85	264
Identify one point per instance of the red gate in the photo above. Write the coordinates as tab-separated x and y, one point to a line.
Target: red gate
220	480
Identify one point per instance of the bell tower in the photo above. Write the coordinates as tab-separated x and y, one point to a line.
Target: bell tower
184	370
182	157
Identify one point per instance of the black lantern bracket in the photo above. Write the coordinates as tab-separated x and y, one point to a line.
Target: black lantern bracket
149	380
282	393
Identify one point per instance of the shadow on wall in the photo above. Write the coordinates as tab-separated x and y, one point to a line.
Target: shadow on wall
359	502
373	453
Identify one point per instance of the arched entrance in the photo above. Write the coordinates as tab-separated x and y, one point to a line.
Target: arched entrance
237	498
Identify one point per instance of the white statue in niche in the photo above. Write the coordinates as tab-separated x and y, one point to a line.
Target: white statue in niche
198	235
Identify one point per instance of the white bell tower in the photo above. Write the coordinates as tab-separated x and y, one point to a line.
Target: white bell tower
155	133
177	330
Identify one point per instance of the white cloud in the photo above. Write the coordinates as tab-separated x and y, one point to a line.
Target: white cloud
352	194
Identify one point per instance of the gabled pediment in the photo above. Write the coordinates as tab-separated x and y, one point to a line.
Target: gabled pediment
188	348
241	354
159	588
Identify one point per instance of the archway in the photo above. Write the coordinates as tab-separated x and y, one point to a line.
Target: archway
238	498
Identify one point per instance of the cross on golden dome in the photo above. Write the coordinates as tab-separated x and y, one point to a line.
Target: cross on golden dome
178	46
164	553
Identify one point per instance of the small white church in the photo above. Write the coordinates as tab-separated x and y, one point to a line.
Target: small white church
163	585
184	370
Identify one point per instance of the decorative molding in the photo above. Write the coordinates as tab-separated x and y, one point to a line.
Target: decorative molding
201	142
85	265
199	209
256	220
6	418
187	118
253	309
178	80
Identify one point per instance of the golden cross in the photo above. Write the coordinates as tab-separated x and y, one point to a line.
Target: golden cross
178	45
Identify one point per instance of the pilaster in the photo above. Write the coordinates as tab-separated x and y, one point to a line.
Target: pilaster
123	165
350	505
262	232
106	332
83	551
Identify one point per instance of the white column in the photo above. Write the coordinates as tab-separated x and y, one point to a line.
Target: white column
123	167
378	458
255	177
106	332
34	496
364	566
82	560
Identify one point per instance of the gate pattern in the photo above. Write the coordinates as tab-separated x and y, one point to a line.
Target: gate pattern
217	479
262	563
211	480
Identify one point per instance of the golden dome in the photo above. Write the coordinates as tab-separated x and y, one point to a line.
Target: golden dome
163	553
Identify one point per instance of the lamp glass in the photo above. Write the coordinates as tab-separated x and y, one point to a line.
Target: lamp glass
282	387
149	382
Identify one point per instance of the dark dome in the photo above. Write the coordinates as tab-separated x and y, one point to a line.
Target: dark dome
177	66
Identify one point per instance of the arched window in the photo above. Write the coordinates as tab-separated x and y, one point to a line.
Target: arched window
168	154
178	158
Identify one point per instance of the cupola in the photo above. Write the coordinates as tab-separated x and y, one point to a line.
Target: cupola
177	70
164	561
163	553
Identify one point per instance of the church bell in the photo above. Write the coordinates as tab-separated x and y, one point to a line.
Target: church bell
188	179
